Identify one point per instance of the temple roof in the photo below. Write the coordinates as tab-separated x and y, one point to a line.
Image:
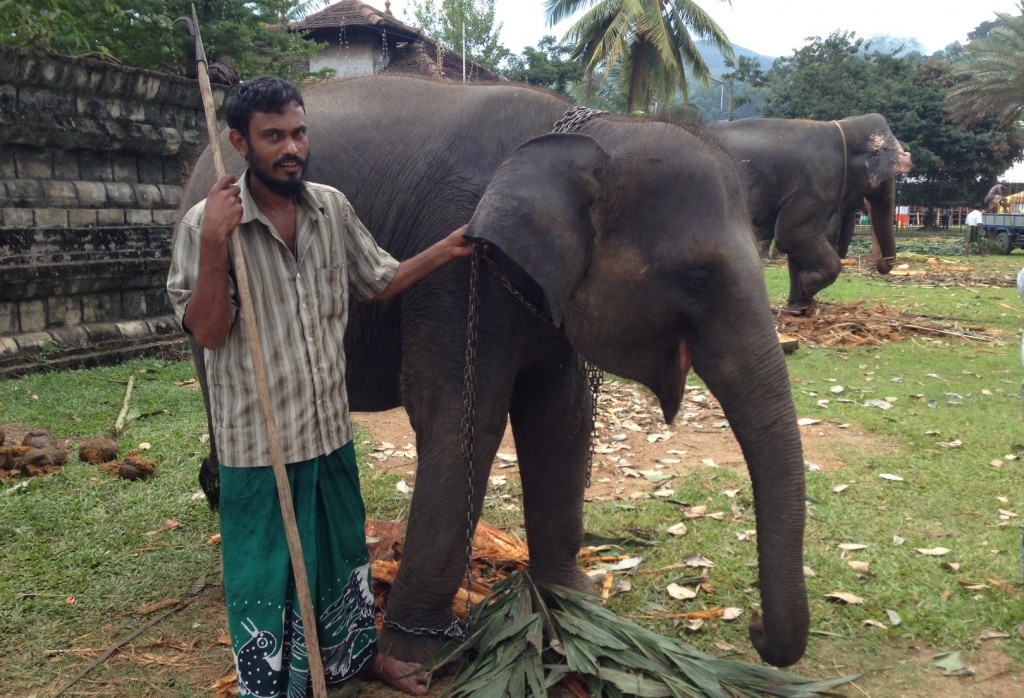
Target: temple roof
352	13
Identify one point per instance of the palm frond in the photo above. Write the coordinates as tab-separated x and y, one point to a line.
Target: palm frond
527	638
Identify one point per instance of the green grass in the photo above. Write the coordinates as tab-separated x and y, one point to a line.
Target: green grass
82	533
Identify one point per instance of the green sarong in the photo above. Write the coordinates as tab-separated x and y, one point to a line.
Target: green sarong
263	609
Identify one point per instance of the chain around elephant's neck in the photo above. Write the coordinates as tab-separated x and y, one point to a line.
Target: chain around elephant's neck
575	118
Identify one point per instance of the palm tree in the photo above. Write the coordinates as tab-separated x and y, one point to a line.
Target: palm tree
649	41
990	74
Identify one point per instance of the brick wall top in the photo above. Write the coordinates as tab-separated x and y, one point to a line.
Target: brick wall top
93	78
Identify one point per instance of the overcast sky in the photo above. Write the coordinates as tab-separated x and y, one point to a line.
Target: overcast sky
777	27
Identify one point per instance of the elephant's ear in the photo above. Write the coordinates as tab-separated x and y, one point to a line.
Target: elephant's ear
886	158
540	210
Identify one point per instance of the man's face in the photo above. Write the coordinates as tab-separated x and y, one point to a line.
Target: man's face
277	149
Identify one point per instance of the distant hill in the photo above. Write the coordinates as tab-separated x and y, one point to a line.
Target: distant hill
716	62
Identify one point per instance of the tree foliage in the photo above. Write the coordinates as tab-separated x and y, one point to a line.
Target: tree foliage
142	33
453	22
840	76
649	42
548	65
989	75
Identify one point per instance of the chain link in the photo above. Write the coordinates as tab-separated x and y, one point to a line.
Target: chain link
575	118
452	631
595	377
469	410
507	283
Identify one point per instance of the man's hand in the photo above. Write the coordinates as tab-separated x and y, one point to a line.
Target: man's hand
457	245
223	209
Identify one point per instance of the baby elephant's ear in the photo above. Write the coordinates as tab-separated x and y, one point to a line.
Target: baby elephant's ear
540	209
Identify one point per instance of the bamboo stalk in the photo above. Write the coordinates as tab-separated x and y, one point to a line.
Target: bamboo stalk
316	669
119	424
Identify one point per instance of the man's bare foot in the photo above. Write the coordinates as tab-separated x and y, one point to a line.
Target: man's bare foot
405	676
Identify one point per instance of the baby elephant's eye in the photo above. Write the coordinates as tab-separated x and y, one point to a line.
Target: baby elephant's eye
698	281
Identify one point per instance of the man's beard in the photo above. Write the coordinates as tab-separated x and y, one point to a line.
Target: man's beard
292	187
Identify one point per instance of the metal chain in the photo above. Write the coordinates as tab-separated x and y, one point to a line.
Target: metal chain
454	629
595	377
451	631
575	118
469	411
507	283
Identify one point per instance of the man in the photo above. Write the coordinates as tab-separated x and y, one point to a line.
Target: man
305	249
973	221
995	195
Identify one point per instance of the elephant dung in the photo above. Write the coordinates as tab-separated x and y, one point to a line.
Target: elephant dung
99	450
38	438
133	467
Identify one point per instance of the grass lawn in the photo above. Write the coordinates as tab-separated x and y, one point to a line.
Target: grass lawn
87	555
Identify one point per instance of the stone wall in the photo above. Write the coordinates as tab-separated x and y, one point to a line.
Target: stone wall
93	157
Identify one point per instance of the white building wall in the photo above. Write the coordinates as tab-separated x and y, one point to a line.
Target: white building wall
349	60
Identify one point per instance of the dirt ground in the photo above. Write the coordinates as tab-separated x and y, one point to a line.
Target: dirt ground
633	447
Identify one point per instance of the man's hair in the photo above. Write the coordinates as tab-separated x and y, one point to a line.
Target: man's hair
267	94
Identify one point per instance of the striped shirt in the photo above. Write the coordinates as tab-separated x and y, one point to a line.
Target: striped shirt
301	303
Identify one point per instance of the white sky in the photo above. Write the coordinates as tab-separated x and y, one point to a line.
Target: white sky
777	27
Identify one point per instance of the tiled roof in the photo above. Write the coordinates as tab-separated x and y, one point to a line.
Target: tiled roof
421	58
417	54
352	13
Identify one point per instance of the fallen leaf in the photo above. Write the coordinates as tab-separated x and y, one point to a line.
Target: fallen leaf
891	477
695	560
836	389
874	623
731	613
807	422
898	540
934	552
146	609
858	566
844	597
731	493
955	443
678	529
403	487
693	625
839	488
808	572
664	493
952	663
214	539
629	564
994	635
696	512
145	446
849	547
894	618
709	462
681	593
880	404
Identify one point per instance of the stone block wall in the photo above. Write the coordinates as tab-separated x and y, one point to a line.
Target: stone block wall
93	158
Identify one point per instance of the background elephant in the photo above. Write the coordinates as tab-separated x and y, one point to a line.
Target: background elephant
629	235
805	182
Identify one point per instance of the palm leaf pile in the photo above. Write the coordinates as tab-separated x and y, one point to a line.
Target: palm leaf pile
525	639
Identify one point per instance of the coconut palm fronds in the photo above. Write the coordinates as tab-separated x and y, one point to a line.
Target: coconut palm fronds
526	638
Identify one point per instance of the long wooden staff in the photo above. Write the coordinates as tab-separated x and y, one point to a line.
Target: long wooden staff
252	336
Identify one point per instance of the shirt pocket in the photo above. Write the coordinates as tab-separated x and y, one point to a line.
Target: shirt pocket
332	291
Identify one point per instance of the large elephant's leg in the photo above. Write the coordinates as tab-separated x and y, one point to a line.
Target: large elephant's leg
813	261
434	556
551	420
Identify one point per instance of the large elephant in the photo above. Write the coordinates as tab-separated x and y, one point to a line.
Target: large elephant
805	182
632	237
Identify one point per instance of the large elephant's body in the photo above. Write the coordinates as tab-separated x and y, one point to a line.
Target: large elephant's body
806	180
650	264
